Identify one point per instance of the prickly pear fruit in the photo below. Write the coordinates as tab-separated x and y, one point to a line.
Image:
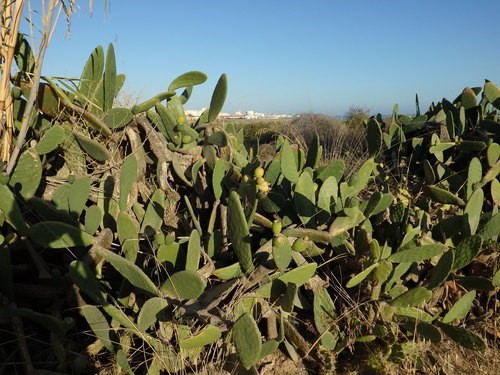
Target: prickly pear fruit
277	227
259	172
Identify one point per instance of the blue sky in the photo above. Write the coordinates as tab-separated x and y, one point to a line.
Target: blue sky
292	56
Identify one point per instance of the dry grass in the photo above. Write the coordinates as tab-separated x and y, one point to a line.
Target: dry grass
339	141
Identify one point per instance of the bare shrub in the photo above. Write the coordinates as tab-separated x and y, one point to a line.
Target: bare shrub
339	141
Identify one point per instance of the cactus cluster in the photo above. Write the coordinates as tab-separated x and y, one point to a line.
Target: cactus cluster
173	236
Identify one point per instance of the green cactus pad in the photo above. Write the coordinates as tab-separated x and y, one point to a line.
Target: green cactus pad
86	280
108	81
328	194
78	194
28	173
374	137
383	271
440	272
219	171
247	340
357	279
495	192
468	98
187	79
282	252
229	272
314	151
463	336
423	329
415	124
57	235
92	73
98	324
299	276
207	336
474	175
218	98
304	199
417	254
11	210
324	317
148	316
153	217
359	180
493	154
129	271
170	255
335	169
167	122
93	216
95	149
128	235
413	297
443	196
218	138
52	138
289	166
185	284
414	313
474	209
475	282
491	174
372	203
492	93
466	251
342	224
122	362
461	308
116	118
194	251
238	232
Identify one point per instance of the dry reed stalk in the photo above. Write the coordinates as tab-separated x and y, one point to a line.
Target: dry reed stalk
48	29
11	17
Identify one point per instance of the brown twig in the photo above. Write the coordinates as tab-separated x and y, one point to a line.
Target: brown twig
17	326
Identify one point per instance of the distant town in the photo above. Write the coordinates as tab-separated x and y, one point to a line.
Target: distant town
248	115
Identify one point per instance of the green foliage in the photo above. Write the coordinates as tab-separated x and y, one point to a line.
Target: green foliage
167	225
463	336
238	232
413	297
417	254
187	80
57	235
374	137
282	252
129	271
460	308
148	316
209	335
27	175
52	138
184	285
95	150
99	325
466	251
246	336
